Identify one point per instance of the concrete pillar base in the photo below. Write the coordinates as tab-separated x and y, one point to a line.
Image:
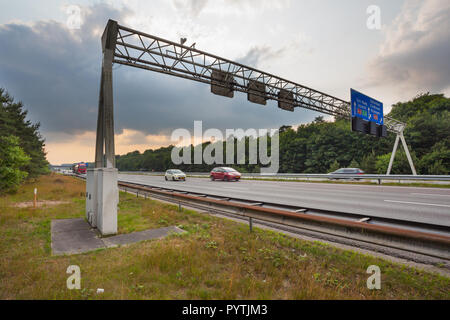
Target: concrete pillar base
91	196
108	198
102	197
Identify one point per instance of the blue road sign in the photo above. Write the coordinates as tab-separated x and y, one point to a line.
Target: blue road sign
366	108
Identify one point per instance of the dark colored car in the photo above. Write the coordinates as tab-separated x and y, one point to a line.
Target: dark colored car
224	173
347	171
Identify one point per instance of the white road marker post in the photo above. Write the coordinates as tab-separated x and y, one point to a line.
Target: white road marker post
35	197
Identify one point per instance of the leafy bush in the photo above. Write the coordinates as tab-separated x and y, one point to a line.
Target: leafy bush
12	158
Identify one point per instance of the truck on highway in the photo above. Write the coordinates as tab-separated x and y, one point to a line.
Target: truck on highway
79	168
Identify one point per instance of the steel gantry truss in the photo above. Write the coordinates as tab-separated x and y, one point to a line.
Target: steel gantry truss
141	50
134	48
125	46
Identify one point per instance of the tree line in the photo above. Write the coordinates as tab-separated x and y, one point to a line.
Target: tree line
22	153
321	147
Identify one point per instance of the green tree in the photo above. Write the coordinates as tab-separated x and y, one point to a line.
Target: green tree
437	168
368	163
400	165
334	166
354	164
12	159
13	122
437	161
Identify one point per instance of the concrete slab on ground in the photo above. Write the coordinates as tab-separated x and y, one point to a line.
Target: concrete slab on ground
124	239
73	236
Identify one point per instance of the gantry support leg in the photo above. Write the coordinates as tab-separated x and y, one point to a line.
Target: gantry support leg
102	194
391	161
405	147
99	142
108	109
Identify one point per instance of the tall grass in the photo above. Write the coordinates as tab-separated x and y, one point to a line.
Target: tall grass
214	259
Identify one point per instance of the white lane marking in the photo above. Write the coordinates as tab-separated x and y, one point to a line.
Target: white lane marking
420	203
432	194
236	188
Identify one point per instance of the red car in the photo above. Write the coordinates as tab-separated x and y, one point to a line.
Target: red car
225	173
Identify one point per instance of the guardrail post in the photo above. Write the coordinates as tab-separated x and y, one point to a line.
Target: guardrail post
250	223
179	207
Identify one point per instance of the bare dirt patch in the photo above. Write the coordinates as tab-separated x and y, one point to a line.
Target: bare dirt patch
40	203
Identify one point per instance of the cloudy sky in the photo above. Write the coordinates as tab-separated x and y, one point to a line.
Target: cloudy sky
55	70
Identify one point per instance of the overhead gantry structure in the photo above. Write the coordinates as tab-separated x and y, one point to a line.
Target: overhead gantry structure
125	46
141	50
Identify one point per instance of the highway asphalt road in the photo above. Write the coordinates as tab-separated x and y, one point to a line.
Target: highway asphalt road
428	205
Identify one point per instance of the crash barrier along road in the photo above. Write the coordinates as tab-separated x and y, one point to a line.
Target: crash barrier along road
414	237
322	176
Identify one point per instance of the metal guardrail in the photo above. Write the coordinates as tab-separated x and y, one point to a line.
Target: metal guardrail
316	176
353	176
406	236
433	241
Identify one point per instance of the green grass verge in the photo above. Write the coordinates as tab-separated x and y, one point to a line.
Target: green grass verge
214	259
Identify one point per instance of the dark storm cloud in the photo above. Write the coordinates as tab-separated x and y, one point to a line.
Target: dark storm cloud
56	73
416	51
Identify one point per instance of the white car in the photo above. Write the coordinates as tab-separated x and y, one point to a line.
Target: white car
175	175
